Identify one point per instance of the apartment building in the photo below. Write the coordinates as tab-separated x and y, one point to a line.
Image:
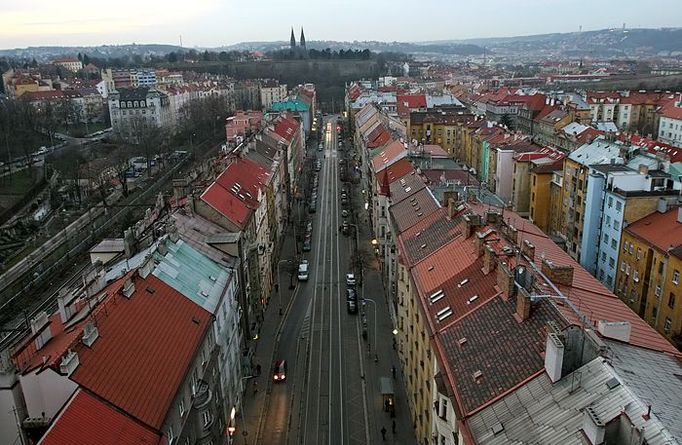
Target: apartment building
271	91
132	109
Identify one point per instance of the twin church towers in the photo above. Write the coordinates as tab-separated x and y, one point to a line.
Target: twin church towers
301	43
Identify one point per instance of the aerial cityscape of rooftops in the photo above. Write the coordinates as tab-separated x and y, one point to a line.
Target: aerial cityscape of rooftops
309	241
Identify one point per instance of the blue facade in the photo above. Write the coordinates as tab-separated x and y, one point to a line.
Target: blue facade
594	197
609	244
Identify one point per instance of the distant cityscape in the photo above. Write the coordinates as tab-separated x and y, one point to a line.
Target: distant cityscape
447	243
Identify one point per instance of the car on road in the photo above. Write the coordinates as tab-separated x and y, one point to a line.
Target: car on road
344	213
319	147
312	208
280	371
351	295
303	271
352	306
307	245
345	228
350	279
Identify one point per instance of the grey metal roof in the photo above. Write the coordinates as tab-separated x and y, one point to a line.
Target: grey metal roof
656	378
540	412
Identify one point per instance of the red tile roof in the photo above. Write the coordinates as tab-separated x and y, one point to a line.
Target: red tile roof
670	111
378	137
393	173
407	102
392	153
587	293
440	176
287	128
87	420
435	150
410	211
235	192
145	346
660	230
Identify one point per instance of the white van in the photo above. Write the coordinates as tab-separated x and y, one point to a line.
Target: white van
303	271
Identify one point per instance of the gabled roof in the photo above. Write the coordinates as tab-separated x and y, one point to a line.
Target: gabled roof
235	193
145	346
393	173
405	187
287	128
504	351
392	153
660	230
377	137
432	233
438	176
410	211
595	301
407	102
672	111
87	420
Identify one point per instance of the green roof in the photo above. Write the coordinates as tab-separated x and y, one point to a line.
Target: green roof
291	105
191	273
675	169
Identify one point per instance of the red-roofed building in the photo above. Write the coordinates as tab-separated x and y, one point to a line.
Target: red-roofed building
75	425
138	345
670	124
406	103
241	123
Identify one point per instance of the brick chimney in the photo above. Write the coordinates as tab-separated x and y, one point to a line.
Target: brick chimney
452	208
473	221
560	275
528	249
492	217
523	305
450	194
505	280
489	259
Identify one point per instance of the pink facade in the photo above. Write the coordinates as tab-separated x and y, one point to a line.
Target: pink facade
242	121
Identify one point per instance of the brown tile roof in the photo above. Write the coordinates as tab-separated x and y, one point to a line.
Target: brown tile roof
410	211
433	232
661	230
405	187
392	153
491	341
392	174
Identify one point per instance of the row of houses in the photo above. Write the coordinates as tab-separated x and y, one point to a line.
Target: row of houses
503	337
154	345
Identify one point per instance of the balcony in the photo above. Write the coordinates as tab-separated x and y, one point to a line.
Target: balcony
202	395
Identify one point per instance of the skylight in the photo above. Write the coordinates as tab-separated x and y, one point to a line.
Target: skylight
443	314
472	299
438	295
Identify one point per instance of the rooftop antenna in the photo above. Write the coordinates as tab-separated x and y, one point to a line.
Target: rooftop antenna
180	40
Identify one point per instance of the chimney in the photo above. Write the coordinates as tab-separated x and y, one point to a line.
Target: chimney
528	249
452	208
593	427
479	242
554	357
505	280
489	259
450	194
128	288
473	220
492	217
147	266
643	169
523	305
69	363
662	206
617	330
559	275
129	242
90	333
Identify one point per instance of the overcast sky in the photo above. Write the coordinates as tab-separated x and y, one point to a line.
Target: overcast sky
223	22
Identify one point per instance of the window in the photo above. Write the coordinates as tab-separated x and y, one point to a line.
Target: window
671	301
667	326
444	409
612	262
610	201
606	239
657	292
619	206
614	243
622	266
608	221
635	276
609	280
632	248
676	276
639	253
603	257
170	435
616	224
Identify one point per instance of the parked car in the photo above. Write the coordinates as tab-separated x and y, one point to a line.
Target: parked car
307	245
303	271
344	213
312	208
351	294
352	306
350	279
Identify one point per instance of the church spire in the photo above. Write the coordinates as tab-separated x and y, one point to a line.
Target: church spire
302	39
293	39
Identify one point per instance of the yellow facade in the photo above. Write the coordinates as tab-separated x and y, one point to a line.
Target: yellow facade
556	217
666	312
573	206
414	350
636	261
540	199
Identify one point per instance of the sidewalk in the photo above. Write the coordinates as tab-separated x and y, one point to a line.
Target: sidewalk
264	348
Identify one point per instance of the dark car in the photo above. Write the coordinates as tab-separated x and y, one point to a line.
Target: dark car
312	208
352	306
307	245
351	295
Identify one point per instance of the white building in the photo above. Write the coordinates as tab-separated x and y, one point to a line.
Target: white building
135	107
670	125
272	91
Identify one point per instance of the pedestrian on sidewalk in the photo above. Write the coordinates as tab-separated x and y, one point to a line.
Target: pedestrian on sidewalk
394	427
383	433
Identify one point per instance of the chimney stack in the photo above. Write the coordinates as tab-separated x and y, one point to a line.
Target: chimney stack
528	249
554	357
523	305
452	208
505	280
489	259
473	220
559	275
